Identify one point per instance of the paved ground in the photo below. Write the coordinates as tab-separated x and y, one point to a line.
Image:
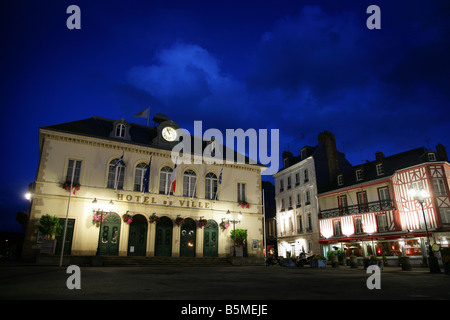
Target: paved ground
218	283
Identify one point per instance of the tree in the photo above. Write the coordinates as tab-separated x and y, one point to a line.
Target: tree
239	236
49	226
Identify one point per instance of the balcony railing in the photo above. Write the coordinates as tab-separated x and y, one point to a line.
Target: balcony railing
374	206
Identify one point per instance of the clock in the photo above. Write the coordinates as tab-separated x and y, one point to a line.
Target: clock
169	134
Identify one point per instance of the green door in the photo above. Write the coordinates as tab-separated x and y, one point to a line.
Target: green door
163	238
187	238
69	236
137	238
109	235
210	238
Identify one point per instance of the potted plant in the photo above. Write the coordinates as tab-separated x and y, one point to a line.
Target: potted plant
75	186
98	218
446	262
127	218
179	221
333	257
202	223
244	204
50	227
154	218
318	261
371	260
224	226
238	236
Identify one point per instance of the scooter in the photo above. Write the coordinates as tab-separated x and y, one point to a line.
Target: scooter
302	259
272	261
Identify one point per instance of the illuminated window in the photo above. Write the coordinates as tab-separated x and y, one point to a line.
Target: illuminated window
164	180
189	183
139	174
210	186
337	228
74	167
439	187
241	192
116	175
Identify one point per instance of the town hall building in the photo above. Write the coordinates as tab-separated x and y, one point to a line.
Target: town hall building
126	201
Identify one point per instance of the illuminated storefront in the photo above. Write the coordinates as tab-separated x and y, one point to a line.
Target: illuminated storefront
369	211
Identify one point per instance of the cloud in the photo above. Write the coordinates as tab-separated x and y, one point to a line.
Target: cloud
315	70
187	76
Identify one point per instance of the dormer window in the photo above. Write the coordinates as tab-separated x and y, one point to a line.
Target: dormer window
120	130
340	180
359	175
380	169
431	156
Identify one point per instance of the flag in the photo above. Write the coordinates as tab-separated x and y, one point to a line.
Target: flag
220	177
147	176
143	114
173	177
116	167
120	161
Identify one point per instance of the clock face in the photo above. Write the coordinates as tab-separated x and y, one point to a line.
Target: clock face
169	133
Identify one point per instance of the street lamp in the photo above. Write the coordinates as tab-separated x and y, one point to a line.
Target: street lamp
228	215
420	196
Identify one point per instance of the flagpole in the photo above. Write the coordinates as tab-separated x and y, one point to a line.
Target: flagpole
67	213
264	224
220	179
195	188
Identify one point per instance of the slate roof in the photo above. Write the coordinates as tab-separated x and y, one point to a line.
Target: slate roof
390	164
98	127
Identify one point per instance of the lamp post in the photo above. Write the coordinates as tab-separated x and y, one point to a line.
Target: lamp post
234	228
420	196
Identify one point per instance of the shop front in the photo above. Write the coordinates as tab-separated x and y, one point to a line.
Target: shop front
387	248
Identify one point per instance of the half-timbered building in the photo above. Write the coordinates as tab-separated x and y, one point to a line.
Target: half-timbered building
369	211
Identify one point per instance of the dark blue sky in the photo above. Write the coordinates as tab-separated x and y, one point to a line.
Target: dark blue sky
299	66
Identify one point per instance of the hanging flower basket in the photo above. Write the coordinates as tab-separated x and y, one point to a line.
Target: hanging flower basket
98	218
202	223
154	218
75	186
127	218
224	226
244	204
179	221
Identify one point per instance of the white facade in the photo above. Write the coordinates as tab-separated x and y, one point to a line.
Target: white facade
296	202
59	151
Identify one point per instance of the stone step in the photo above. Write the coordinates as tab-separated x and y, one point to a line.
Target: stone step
163	261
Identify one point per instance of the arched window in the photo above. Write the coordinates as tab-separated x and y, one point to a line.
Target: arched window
116	175
211	186
139	174
120	130
189	184
164	180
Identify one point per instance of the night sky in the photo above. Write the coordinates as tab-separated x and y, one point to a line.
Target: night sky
298	66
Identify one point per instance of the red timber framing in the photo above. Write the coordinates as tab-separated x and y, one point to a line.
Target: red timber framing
403	219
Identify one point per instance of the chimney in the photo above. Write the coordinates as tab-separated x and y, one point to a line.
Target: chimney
379	155
441	151
327	139
287	156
